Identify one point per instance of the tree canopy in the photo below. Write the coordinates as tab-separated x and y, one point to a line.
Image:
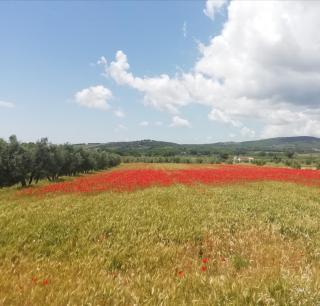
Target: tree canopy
26	163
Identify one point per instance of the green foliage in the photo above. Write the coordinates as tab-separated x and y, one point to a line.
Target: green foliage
26	163
293	164
173	159
262	147
239	262
290	154
296	165
259	162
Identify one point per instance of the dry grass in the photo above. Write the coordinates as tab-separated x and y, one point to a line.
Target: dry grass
262	242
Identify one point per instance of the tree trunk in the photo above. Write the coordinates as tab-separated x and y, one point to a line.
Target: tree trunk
23	182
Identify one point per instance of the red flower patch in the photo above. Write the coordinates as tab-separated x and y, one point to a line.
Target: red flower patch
133	179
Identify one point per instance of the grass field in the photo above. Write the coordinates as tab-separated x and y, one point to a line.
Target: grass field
254	243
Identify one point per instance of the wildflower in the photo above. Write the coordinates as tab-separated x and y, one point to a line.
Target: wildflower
205	260
34	279
181	274
45	282
203	268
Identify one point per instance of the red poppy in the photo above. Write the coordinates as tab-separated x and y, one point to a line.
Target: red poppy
45	282
181	274
205	260
203	268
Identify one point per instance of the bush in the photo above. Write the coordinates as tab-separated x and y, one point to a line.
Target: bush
296	165
259	162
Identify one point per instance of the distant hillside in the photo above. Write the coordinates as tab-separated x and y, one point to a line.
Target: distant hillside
301	144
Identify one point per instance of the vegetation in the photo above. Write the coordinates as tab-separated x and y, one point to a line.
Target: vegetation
26	163
286	145
157	236
295	152
242	244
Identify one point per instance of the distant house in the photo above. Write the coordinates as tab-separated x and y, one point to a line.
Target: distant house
243	159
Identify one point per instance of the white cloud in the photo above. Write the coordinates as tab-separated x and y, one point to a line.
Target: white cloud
6	104
144	123
223	117
220	116
119	113
102	61
264	67
94	97
158	123
179	122
213	6
161	92
267	61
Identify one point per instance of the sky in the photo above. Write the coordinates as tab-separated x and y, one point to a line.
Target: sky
181	71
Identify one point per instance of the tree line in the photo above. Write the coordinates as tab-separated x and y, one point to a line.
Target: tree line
178	159
27	163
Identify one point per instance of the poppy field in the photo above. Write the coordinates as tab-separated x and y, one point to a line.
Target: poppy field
164	235
140	178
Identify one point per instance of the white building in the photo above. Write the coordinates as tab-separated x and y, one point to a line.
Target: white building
243	159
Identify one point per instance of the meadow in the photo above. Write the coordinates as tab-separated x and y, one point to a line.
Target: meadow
158	234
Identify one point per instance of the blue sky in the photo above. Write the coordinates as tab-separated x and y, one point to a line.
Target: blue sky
49	53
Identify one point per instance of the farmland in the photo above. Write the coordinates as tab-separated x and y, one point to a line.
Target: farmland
149	234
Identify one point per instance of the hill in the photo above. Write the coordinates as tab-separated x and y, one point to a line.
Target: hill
301	144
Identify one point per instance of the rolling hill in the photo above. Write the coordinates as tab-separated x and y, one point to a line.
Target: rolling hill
301	144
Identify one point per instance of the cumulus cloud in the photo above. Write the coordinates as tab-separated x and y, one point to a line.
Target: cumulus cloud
94	97
179	122
218	115
263	67
162	92
213	6
6	104
267	61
